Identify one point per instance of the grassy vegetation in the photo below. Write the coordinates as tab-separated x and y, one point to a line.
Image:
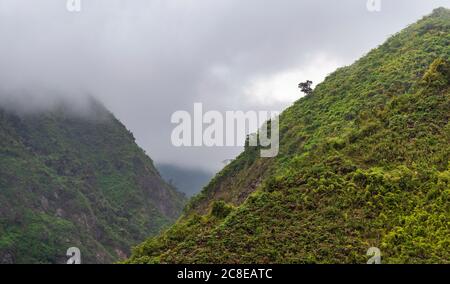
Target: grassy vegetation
67	180
364	161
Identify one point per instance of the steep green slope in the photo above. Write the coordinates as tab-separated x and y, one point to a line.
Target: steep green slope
71	180
364	161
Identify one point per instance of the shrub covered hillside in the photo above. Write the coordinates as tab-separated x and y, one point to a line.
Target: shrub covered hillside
364	161
71	180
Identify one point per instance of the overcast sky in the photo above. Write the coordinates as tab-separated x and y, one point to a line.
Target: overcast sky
145	59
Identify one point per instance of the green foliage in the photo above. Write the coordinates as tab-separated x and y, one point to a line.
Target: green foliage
220	209
438	74
67	180
364	161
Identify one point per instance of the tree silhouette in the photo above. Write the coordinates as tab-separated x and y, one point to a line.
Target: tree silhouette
305	87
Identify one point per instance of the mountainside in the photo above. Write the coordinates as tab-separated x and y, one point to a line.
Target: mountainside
71	180
363	162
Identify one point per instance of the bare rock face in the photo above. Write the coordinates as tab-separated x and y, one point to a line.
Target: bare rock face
6	258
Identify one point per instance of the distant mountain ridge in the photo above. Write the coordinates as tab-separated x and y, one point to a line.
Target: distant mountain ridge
76	180
188	181
363	162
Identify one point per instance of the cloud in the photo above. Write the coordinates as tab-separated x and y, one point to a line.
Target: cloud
146	59
282	87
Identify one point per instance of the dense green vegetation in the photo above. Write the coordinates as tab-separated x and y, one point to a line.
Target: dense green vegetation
364	161
68	179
